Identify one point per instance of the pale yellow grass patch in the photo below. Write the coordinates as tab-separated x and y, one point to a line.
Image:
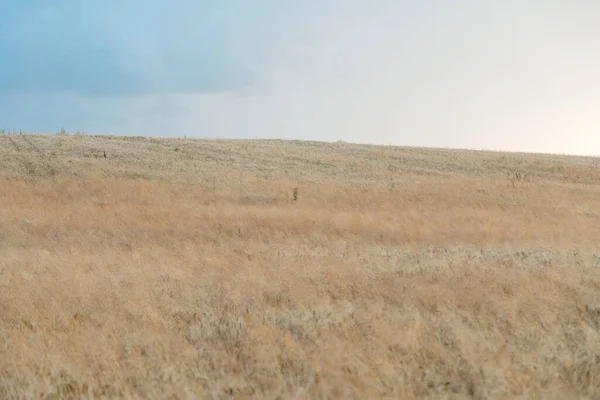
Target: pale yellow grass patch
184	269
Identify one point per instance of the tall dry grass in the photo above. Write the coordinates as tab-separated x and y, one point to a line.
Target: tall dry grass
185	269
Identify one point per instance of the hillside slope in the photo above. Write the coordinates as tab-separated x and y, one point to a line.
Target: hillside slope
179	268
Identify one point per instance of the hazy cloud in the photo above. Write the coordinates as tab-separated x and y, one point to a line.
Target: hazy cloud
504	75
133	47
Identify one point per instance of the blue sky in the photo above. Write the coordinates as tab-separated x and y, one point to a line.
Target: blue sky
508	75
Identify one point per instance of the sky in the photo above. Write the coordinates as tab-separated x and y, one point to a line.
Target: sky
498	75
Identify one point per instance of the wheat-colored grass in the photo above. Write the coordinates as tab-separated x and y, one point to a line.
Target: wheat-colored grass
184	269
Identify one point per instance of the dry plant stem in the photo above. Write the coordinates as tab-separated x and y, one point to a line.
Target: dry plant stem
156	268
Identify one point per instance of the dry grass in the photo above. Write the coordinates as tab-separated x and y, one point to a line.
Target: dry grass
184	269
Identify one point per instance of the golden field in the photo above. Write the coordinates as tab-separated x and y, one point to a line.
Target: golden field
181	269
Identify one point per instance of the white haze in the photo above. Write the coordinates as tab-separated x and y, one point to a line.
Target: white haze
514	75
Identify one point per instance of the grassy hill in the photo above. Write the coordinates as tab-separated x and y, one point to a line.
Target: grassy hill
179	268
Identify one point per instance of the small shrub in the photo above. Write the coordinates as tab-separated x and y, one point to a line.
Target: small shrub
295	194
518	177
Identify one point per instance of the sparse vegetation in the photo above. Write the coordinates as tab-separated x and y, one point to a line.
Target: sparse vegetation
4	131
156	273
